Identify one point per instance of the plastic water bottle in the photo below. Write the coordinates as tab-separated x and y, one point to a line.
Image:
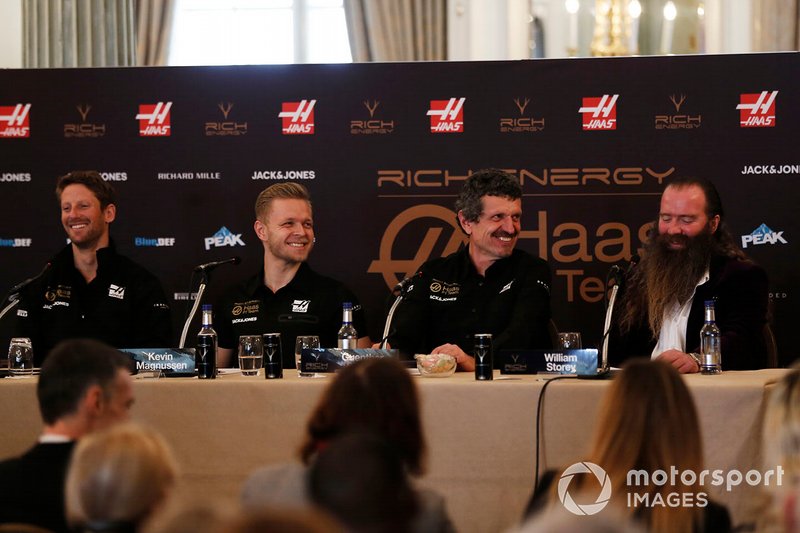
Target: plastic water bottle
710	343
347	337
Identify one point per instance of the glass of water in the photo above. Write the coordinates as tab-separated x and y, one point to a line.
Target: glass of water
304	341
569	340
251	354
20	357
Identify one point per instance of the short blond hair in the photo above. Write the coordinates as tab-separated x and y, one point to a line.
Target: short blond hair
118	475
280	191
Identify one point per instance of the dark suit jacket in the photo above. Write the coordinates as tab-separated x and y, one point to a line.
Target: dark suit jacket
740	291
32	486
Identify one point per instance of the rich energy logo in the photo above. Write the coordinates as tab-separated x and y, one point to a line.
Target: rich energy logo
15	121
599	112
373	126
154	241
84	129
757	110
15	243
298	117
225	127
154	119
763	235
447	116
678	120
224	237
521	124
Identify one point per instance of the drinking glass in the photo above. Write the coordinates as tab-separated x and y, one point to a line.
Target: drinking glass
20	357
304	341
251	354
569	340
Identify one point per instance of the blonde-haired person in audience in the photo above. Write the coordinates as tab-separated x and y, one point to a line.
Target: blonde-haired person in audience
781	442
372	395
647	421
117	479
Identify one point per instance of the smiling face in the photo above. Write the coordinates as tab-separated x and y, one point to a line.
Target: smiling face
682	216
287	231
85	222
494	235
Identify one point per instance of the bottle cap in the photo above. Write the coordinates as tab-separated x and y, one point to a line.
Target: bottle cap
709	303
206	307
347	305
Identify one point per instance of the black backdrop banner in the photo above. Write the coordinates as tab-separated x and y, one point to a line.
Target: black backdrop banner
384	149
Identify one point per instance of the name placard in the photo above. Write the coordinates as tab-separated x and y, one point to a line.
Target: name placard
581	362
323	360
172	361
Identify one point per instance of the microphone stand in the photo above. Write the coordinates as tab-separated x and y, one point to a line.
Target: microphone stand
607	328
13	301
390	316
201	289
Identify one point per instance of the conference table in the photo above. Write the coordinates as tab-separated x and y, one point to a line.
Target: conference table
481	435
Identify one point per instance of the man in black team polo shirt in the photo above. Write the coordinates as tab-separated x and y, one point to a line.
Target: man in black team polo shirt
90	290
486	287
285	295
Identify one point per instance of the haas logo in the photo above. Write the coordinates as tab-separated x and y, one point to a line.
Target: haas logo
15	121
298	117
447	116
154	120
757	110
599	113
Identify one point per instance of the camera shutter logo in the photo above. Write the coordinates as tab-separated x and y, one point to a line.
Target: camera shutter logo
586	509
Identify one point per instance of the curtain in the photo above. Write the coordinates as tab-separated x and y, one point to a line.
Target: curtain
77	33
397	30
153	30
776	25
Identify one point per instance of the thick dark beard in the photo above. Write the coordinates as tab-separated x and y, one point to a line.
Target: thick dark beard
672	275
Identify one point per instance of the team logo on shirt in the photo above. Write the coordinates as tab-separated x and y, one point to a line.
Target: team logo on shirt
300	306
115	291
444	292
247	308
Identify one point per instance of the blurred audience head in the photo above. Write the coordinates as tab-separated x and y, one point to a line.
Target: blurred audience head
648	421
361	480
86	385
559	520
375	395
117	478
781	444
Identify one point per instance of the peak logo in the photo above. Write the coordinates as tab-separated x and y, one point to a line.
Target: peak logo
522	123
154	119
15	121
763	235
677	120
599	112
447	116
757	110
372	126
298	117
225	127
84	129
224	237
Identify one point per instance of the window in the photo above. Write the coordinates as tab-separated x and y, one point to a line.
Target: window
241	32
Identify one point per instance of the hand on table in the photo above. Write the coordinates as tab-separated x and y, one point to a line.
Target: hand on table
683	362
465	362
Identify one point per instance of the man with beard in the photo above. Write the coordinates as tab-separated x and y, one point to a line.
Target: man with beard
690	259
89	290
487	286
285	295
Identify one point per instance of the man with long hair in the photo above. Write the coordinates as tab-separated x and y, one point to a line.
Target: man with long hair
691	257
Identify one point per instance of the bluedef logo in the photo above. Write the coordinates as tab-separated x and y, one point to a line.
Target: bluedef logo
154	241
15	243
224	237
763	235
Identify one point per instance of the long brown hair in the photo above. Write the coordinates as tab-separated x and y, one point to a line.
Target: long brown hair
648	421
374	395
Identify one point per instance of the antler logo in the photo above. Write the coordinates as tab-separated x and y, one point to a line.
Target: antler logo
522	106
677	102
371	107
225	108
390	267
84	111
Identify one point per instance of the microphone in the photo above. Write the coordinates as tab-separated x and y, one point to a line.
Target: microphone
403	285
618	273
208	267
21	285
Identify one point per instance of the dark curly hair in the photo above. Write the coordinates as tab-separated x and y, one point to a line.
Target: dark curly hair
486	182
